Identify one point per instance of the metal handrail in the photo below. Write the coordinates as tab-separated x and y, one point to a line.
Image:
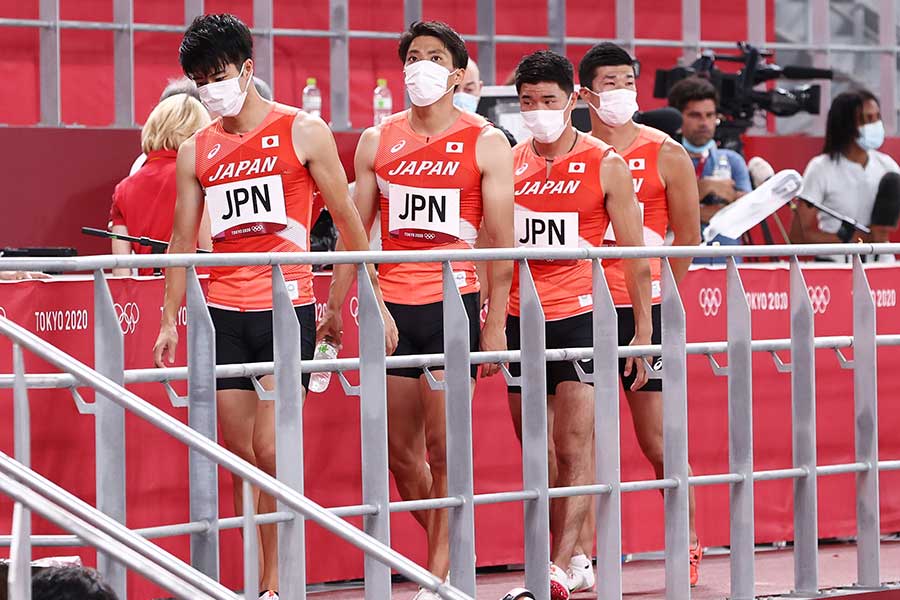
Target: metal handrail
336	365
208	448
244	259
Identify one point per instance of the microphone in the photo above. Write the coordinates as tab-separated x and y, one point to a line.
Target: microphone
760	170
886	210
795	72
666	119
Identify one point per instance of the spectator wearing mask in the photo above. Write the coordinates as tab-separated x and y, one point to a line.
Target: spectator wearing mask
847	178
722	175
144	203
70	583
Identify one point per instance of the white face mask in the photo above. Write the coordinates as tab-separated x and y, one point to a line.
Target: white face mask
871	136
426	82
616	106
546	125
225	98
465	101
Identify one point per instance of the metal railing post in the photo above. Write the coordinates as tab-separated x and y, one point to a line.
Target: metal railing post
264	48
109	424
487	48
606	438
288	435
675	437
123	63
19	580
51	110
251	547
535	474
803	414
458	407
865	400
740	437
373	429
339	21
203	472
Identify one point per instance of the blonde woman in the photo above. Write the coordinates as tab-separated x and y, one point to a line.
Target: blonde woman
144	203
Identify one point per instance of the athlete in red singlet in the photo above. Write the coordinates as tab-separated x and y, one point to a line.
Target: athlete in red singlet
254	170
436	175
569	188
666	187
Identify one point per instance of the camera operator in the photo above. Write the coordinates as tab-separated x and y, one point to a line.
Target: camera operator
722	175
849	177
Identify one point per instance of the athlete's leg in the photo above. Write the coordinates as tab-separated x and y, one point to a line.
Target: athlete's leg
646	412
264	450
406	442
433	408
573	409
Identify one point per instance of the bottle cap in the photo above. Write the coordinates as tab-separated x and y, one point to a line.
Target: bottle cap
381	81
310	81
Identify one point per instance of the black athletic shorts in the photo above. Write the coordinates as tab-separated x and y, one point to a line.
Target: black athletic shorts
421	330
572	332
626	333
246	337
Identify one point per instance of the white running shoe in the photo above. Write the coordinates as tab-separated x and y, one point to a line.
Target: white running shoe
424	594
581	574
268	595
559	583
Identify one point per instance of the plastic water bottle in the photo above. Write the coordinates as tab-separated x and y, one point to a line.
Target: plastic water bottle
319	381
312	98
722	170
381	102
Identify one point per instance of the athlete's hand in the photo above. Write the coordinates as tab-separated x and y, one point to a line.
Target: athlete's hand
391	335
493	339
637	363
166	342
331	327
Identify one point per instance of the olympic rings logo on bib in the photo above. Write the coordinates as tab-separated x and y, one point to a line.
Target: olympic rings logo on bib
423	214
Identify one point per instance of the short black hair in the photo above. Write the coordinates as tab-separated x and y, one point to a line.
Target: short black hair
545	66
213	42
451	40
604	54
692	89
842	124
70	583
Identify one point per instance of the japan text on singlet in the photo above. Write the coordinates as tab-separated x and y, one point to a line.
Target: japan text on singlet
259	199
560	204
430	191
643	161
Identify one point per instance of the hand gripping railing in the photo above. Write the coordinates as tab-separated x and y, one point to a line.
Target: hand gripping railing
533	355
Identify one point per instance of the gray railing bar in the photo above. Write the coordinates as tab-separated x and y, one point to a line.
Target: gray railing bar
803	434
865	402
288	435
501	497
425	504
889	465
234	464
776	474
109	424
857	467
362	510
19	577
92	263
649	484
251	544
701	480
740	437
107	525
458	435
98	539
63	380
568	491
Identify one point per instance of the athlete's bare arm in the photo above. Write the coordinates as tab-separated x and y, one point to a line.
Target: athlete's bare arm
677	172
188	214
495	159
365	207
120	247
628	226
